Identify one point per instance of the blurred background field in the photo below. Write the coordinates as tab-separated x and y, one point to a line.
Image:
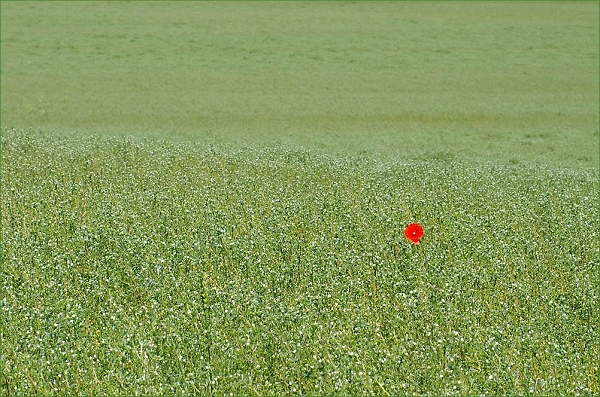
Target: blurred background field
208	198
484	80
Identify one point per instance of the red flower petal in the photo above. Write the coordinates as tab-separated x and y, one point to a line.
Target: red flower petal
413	233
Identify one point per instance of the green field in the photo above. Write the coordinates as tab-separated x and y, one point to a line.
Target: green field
209	198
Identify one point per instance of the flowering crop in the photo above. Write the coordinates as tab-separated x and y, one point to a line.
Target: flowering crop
135	267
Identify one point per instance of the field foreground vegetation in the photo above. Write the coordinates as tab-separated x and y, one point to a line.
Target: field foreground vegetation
209	198
136	266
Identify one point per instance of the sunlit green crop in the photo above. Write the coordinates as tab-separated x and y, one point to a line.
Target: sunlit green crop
210	198
147	267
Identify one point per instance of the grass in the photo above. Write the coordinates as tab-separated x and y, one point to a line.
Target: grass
155	268
209	198
393	80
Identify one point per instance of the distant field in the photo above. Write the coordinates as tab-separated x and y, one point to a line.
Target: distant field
204	198
488	80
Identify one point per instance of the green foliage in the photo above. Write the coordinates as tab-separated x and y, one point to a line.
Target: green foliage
412	79
209	198
135	266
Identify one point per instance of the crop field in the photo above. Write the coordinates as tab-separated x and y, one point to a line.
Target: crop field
209	198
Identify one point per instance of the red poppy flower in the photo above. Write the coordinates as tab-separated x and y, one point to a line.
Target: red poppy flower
413	233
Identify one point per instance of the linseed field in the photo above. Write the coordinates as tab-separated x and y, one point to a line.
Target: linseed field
209	198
